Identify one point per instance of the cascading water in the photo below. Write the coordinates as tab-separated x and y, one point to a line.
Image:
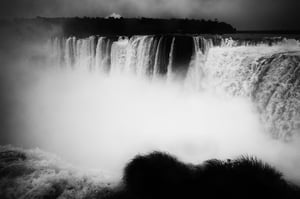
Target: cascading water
267	75
170	62
195	71
266	72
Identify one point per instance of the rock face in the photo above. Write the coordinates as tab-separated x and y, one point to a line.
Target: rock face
159	175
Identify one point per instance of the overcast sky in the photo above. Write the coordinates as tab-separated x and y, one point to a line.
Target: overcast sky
243	14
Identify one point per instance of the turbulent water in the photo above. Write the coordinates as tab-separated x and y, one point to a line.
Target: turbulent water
36	174
267	72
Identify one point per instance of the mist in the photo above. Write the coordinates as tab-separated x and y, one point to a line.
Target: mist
97	121
101	121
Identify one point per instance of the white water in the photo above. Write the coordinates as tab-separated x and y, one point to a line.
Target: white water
95	104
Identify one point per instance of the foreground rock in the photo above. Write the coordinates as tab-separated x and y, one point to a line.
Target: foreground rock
160	175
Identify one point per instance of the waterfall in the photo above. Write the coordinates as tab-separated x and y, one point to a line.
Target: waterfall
196	69
266	72
156	66
132	55
100	54
170	63
69	52
119	55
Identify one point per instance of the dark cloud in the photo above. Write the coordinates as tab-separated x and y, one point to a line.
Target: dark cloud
244	14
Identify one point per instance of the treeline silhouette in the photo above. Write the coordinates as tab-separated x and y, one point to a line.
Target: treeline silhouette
161	176
86	26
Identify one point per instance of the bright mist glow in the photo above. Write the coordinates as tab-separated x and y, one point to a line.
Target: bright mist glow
101	122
